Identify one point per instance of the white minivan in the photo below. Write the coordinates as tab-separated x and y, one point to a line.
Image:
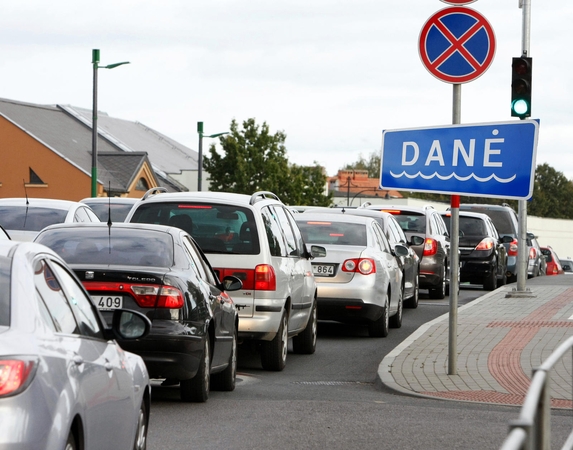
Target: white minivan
255	238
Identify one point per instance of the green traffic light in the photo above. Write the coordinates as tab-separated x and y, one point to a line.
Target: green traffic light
520	107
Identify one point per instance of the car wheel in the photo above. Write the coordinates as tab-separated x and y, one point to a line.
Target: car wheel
227	379
490	281
381	326
396	320
439	292
305	342
274	353
197	388
503	280
412	302
71	442
141	431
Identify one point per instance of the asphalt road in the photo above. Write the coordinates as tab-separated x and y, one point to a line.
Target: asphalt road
330	400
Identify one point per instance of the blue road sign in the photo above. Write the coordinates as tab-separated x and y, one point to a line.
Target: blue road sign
489	160
457	44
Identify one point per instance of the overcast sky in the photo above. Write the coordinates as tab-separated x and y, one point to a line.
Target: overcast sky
331	74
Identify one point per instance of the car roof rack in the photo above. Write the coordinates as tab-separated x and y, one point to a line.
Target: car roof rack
261	195
153	191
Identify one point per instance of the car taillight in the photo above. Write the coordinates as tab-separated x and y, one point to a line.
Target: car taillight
16	375
512	251
485	244
365	266
262	278
145	295
265	279
532	253
430	247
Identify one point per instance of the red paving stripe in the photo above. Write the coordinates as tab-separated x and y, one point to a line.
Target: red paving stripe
493	397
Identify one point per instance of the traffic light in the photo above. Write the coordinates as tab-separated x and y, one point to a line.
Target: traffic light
521	87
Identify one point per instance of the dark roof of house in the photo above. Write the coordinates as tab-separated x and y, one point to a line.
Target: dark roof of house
67	131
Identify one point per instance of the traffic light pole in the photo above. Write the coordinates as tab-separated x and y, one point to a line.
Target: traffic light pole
522	254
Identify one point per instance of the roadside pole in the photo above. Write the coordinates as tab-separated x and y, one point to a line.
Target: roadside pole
522	255
454	252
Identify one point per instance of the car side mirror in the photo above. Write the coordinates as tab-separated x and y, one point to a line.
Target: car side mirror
401	250
129	325
416	240
317	251
232	283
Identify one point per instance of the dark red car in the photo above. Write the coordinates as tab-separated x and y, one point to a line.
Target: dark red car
553	264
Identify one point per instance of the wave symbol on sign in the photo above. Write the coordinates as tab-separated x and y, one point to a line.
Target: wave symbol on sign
447	177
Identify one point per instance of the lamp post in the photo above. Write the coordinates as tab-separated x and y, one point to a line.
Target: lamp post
200	158
96	66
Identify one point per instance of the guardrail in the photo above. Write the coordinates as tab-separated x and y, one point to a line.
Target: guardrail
532	430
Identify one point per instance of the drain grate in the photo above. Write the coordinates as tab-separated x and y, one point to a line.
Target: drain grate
332	383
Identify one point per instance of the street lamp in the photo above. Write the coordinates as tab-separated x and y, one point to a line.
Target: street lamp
365	190
200	159
95	62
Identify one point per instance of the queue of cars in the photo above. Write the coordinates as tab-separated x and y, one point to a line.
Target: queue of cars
168	289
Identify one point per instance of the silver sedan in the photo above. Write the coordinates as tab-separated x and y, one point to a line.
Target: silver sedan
359	280
64	381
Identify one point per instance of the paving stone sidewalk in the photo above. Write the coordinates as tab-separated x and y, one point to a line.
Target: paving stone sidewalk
500	340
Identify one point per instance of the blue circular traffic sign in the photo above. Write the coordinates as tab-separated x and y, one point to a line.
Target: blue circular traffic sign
457	45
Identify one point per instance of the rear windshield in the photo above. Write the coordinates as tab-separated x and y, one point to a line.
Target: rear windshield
469	226
119	246
30	219
225	229
410	222
333	233
118	211
4	291
501	218
547	254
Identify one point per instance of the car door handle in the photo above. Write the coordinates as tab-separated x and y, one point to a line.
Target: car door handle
78	360
108	366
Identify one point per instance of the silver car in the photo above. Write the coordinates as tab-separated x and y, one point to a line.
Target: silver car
24	217
359	280
64	381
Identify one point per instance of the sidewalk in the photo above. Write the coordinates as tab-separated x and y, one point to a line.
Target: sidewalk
500	340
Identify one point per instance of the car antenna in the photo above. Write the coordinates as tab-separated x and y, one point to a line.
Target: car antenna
27	203
109	218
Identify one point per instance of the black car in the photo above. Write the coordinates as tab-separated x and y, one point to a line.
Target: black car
483	257
410	263
161	272
433	248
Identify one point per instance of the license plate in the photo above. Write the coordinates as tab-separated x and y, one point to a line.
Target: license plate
108	302
322	270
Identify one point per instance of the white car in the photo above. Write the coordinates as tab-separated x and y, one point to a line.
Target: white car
23	218
359	280
65	383
256	239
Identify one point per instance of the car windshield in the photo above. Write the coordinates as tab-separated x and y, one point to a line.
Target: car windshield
471	226
501	219
122	246
410	222
334	233
118	211
4	291
547	253
225	229
30	218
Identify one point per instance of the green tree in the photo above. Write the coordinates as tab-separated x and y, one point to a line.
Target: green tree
552	194
255	160
372	165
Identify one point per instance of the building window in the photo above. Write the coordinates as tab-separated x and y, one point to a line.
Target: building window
142	185
34	178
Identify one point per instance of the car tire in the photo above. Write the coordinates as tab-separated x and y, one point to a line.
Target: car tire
227	379
140	442
381	326
396	320
274	353
503	280
413	301
305	342
71	443
197	388
439	292
490	281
